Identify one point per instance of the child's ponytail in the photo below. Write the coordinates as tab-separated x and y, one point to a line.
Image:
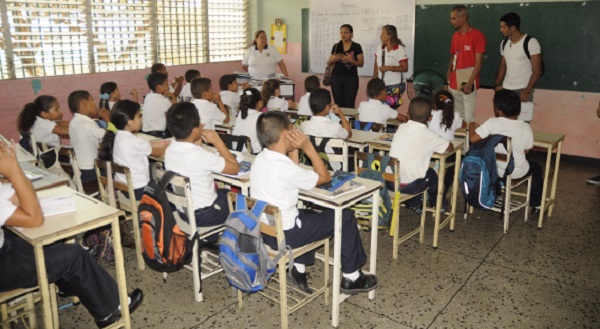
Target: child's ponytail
106	146
445	102
268	90
248	100
106	89
32	110
122	112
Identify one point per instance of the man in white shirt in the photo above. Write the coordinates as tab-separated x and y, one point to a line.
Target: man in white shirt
507	107
375	109
204	100
521	63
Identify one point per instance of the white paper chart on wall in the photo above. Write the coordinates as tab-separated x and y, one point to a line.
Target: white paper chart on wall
366	18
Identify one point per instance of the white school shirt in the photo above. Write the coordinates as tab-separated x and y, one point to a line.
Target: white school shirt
111	104
392	58
375	111
85	136
436	119
319	126
232	100
197	164
261	64
132	151
304	105
247	127
155	108
209	113
521	139
186	91
518	66
414	144
7	208
276	179
278	103
42	132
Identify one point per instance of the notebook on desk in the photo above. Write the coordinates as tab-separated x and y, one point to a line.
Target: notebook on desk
56	205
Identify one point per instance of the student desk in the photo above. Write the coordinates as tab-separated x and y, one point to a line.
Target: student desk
361	138
349	112
549	142
226	127
242	181
90	214
338	204
450	215
48	180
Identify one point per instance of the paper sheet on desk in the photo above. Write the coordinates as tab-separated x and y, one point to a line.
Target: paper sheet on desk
526	111
56	205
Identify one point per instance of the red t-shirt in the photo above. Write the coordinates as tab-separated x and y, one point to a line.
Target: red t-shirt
464	47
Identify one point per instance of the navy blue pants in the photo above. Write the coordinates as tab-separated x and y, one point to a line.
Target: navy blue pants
344	90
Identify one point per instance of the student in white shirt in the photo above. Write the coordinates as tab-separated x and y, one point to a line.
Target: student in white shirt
186	91
444	121
259	60
507	107
176	85
230	94
320	125
375	109
42	118
156	105
126	149
186	157
413	145
276	178
110	94
245	124
85	133
310	83
270	95
74	271
204	100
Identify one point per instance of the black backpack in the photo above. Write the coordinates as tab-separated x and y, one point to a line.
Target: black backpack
526	48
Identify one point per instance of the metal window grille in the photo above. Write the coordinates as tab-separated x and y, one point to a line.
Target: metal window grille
4	71
121	34
228	22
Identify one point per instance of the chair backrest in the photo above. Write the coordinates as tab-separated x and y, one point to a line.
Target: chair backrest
271	211
297	119
240	142
393	164
28	142
180	195
71	166
333	143
107	185
377	127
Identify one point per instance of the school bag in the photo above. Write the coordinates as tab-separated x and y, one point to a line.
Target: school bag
479	181
526	49
374	171
320	148
165	247
242	253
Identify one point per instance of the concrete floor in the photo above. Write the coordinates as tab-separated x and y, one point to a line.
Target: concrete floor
479	277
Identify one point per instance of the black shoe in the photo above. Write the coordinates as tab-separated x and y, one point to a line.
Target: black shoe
535	211
364	283
417	209
137	296
209	246
594	180
299	281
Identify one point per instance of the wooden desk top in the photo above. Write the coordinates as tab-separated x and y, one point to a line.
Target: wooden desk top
362	136
542	139
349	112
345	199
48	180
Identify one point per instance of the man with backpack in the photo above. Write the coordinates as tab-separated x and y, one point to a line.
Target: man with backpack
521	64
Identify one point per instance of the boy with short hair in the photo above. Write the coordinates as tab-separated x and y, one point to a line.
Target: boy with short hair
186	92
84	133
413	145
320	125
156	105
174	87
204	100
186	157
507	107
310	83
276	178
229	93
375	109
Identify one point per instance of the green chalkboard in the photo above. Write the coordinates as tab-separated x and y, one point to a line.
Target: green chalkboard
569	33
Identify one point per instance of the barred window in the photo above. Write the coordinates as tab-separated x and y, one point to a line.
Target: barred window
59	37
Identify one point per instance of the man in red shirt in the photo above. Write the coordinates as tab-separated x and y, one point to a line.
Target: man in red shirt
466	50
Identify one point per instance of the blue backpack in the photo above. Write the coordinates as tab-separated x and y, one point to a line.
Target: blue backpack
242	253
479	181
374	171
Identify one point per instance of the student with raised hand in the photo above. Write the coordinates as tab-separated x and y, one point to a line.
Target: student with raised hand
126	149
176	85
156	105
42	118
276	178
245	125
208	103
271	92
444	121
69	266
310	83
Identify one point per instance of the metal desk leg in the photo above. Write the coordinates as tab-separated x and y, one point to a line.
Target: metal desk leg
438	203
554	181
337	263
545	188
121	281
455	187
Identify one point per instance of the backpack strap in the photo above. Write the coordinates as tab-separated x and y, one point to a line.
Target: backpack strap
385	160
370	159
321	146
240	202
356	124
258	208
504	42
368	126
526	45
166	179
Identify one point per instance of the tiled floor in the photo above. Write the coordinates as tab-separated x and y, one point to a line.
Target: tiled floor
479	277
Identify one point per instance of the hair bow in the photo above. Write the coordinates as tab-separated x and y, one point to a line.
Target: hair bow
105	96
248	93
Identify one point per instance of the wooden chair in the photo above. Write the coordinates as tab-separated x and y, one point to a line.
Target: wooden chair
329	149
19	304
397	199
289	299
71	167
376	127
180	195
505	203
107	186
241	142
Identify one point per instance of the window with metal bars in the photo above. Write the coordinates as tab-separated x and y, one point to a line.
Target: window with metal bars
60	37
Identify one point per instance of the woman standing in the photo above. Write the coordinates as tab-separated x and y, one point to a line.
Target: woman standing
260	60
347	57
390	62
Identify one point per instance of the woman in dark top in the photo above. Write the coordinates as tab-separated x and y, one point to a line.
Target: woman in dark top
347	56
